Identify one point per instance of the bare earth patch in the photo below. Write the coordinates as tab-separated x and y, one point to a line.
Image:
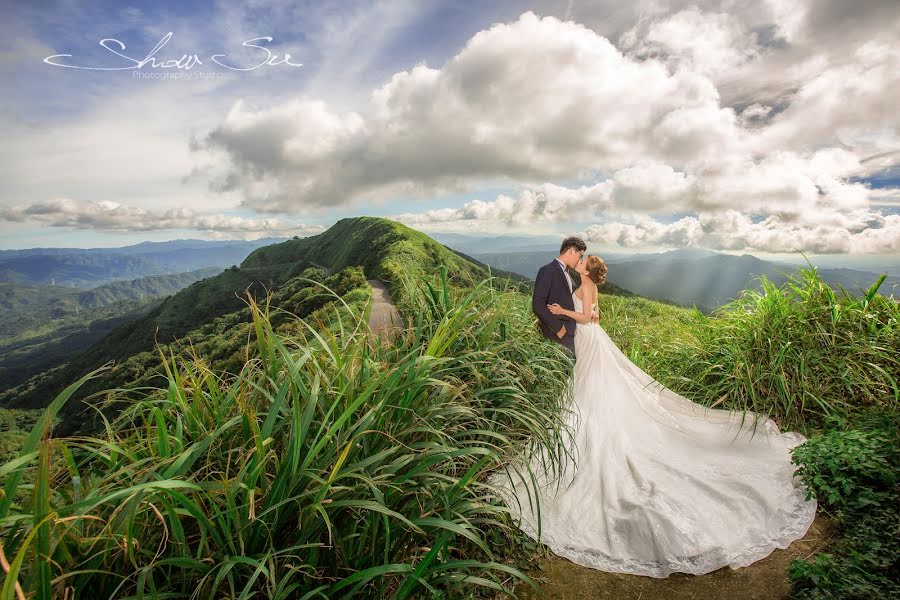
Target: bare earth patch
765	579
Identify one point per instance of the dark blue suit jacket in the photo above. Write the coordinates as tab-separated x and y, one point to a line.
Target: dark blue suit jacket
550	287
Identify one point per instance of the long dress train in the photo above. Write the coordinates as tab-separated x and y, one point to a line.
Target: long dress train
661	484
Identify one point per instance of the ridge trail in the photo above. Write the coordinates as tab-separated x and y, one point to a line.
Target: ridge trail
384	319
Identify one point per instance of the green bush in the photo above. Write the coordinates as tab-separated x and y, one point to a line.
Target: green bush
853	472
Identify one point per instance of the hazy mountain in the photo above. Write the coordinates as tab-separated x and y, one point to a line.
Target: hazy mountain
872	264
690	276
528	263
671	255
92	267
24	307
712	281
42	326
475	245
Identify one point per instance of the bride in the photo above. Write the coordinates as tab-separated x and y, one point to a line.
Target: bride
660	484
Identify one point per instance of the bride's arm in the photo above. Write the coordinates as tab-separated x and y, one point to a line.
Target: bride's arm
581	317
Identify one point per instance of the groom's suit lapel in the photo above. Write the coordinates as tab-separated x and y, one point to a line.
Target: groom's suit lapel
566	299
560	275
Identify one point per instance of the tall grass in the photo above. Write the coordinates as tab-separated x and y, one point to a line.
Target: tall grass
798	353
335	467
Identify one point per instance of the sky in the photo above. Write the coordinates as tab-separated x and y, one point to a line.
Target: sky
756	126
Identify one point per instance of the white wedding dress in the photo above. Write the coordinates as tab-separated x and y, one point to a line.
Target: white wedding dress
660	484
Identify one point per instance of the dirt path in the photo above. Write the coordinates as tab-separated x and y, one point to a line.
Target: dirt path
384	318
765	579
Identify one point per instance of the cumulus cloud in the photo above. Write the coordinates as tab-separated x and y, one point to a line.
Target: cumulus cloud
857	232
849	231
758	117
112	216
531	100
792	186
539	99
546	202
774	175
710	43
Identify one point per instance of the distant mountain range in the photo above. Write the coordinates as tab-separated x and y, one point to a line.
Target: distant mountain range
692	276
43	325
472	245
93	267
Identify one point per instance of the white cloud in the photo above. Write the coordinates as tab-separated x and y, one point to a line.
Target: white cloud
858	232
539	99
709	43
544	203
112	216
530	100
755	116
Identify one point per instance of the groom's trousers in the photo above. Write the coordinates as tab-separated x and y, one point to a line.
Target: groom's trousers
567	342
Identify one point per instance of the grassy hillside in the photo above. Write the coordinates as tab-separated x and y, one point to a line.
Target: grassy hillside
221	338
282	451
387	250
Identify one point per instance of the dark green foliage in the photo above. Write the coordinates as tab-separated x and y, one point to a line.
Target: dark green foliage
42	353
14	428
854	472
851	469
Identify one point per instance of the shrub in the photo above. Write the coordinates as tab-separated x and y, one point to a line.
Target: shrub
853	472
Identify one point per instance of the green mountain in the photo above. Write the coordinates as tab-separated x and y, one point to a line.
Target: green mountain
42	326
30	307
213	311
384	249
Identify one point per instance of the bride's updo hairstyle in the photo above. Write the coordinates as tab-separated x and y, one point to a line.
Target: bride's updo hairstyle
596	268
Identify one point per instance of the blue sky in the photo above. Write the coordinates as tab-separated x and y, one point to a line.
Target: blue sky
764	127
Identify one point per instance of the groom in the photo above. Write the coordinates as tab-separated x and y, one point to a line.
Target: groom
553	285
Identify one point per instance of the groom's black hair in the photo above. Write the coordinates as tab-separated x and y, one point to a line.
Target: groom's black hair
573	242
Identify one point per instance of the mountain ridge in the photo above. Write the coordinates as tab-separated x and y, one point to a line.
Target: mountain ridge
378	248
